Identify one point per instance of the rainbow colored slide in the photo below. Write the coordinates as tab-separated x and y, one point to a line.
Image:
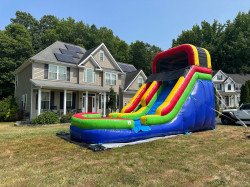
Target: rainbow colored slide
178	97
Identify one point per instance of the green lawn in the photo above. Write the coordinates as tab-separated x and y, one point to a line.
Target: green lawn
36	156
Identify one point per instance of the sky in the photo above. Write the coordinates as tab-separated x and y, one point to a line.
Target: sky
156	22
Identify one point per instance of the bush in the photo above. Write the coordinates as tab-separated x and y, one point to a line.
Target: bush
46	118
9	110
66	118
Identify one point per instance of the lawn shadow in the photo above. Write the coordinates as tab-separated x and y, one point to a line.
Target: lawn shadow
66	136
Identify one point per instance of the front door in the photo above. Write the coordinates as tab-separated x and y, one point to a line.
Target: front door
91	104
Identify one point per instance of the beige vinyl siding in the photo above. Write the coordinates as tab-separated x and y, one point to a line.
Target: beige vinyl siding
73	75
127	97
107	63
38	70
24	86
134	85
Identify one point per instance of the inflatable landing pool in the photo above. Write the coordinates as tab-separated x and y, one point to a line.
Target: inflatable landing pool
178	97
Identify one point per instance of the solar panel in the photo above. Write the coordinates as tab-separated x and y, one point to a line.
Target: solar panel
64	58
127	67
74	48
71	53
132	68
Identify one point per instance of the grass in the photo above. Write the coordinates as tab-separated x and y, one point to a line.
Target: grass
31	156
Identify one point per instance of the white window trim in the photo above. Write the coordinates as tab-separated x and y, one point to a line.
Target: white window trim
71	98
24	101
57	72
85	75
139	78
103	56
110	82
47	91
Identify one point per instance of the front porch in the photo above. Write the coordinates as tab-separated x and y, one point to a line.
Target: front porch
68	99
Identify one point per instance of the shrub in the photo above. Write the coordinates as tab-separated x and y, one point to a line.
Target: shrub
9	110
46	118
66	118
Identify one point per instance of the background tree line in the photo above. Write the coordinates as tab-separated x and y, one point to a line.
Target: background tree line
26	36
229	43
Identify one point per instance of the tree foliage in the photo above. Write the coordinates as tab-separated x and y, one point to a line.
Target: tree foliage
112	100
26	36
229	43
245	93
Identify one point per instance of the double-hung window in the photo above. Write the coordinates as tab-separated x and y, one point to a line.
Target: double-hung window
52	72
57	72
89	75
62	73
45	100
110	78
69	100
140	81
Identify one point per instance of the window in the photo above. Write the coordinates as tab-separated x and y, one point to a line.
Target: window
140	81
52	72
45	100
110	78
24	101
89	75
219	86
229	87
69	100
62	73
237	87
219	77
101	56
57	72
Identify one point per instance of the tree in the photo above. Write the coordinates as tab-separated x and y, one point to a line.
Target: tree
15	48
228	43
141	55
112	100
245	93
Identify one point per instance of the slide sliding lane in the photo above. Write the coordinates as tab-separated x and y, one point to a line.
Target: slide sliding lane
164	93
134	102
147	101
165	109
161	119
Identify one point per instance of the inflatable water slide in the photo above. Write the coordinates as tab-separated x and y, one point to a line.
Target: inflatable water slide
177	98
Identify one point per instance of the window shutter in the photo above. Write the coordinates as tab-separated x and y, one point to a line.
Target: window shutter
46	71
61	100
36	101
74	100
52	98
68	73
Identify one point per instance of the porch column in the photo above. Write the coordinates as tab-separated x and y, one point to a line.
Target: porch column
64	101
104	104
39	102
86	101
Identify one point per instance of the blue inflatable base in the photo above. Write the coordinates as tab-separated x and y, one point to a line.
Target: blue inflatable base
197	114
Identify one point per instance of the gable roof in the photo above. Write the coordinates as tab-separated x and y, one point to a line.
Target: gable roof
131	77
48	54
237	78
87	53
126	67
92	52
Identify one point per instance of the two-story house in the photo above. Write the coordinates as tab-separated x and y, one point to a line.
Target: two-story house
228	88
68	78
